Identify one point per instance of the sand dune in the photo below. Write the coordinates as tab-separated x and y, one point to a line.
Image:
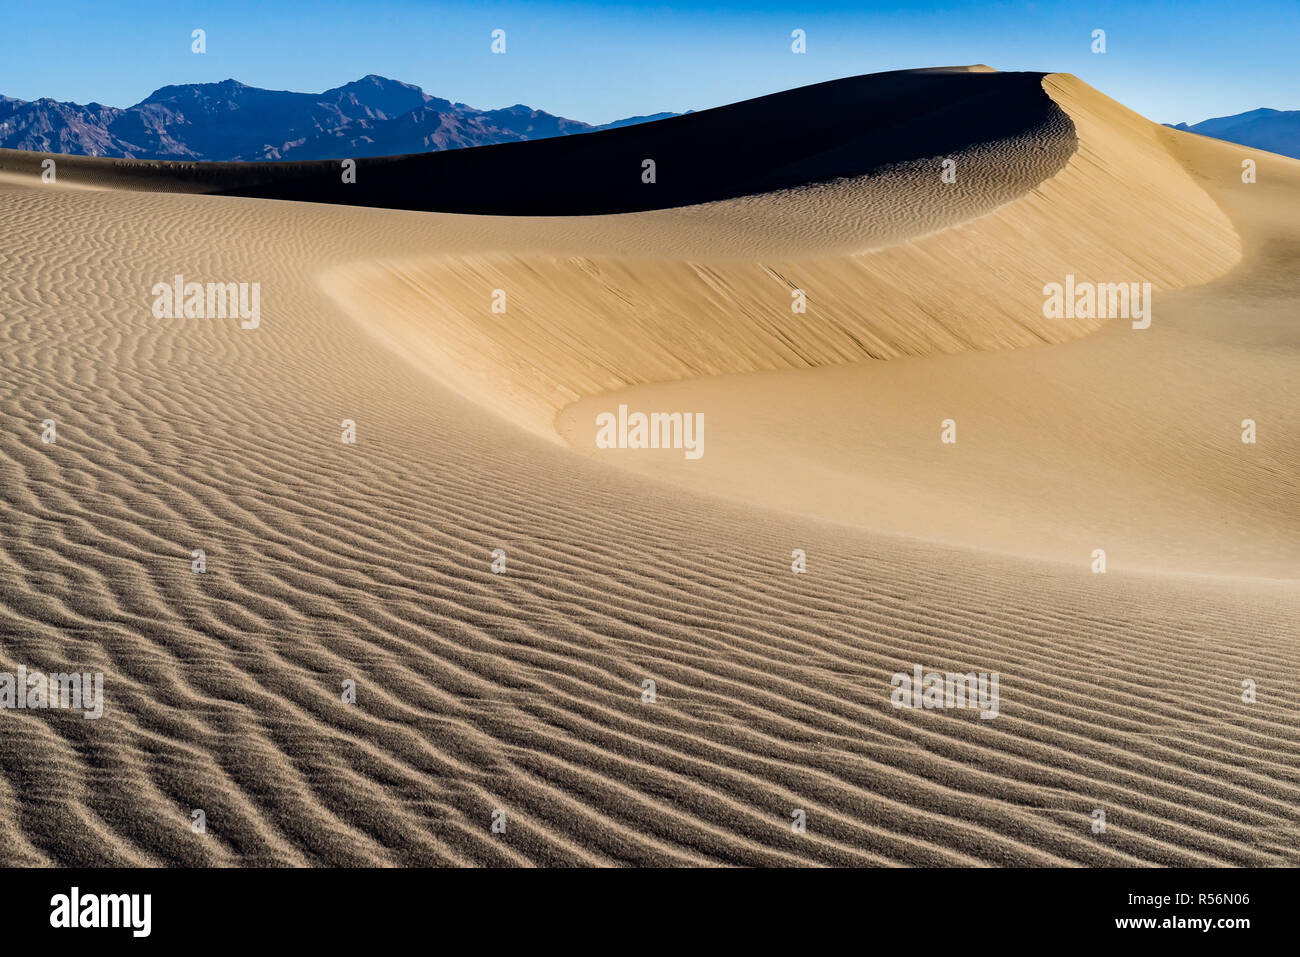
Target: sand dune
522	691
1128	439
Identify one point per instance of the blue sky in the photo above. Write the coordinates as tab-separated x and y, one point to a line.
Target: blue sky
597	62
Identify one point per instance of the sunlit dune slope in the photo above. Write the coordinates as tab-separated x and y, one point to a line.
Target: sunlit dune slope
1129	440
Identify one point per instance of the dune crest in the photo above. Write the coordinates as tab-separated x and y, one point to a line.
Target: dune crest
690	297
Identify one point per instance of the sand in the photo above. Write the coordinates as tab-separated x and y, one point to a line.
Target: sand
523	691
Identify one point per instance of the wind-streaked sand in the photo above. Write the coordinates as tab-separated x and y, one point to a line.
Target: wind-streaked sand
522	691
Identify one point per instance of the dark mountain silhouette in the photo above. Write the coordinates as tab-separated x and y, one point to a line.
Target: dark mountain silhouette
1277	131
230	121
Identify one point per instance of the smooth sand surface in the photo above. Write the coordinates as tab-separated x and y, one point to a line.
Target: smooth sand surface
371	562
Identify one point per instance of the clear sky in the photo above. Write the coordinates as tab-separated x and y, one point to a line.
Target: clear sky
1171	61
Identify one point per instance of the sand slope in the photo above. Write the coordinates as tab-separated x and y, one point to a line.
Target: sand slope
1128	440
523	691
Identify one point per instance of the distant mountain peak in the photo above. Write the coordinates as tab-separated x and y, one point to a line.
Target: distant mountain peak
1277	131
378	80
374	80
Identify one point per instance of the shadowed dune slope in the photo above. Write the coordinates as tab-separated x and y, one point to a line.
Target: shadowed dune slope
371	562
840	128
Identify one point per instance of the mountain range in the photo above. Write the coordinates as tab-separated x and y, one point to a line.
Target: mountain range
1277	131
373	116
